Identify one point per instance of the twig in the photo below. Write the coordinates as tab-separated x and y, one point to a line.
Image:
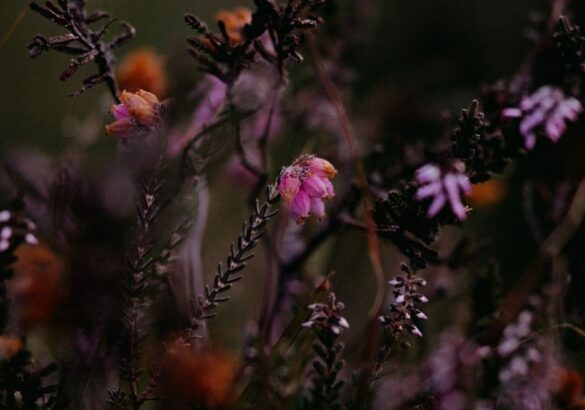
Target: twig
226	276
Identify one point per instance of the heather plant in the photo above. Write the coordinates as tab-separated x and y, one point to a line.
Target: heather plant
456	244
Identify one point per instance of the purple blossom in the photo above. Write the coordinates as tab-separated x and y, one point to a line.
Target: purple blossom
305	185
444	188
547	110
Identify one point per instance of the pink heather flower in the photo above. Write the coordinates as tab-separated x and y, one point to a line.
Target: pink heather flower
305	185
444	188
138	114
547	110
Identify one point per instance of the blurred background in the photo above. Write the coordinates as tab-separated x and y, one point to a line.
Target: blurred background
426	56
438	52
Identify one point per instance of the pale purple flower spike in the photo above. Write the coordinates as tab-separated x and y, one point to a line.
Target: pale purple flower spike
548	110
444	188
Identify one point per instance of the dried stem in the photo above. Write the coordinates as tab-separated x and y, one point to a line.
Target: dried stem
84	43
141	264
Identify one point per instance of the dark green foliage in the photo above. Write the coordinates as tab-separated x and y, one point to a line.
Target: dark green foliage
18	379
571	45
400	218
484	149
326	384
468	133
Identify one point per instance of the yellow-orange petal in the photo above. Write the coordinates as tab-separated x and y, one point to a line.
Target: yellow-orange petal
148	96
140	106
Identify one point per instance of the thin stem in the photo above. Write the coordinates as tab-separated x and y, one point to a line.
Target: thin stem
227	275
348	132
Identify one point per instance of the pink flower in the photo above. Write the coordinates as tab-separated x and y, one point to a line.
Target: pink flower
138	114
547	111
305	185
443	187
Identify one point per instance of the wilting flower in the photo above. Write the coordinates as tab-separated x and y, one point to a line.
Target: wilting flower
9	347
204	376
143	70
15	229
235	20
139	114
326	316
305	185
444	187
547	110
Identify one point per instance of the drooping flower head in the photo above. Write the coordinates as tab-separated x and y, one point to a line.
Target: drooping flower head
546	111
305	185
138	114
445	187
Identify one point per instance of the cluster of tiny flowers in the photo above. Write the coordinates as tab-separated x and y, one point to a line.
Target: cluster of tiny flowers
521	356
138	114
305	185
547	110
326	316
15	229
403	308
444	187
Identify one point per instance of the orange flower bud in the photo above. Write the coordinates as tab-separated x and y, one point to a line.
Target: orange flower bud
9	347
204	376
487	194
143	70
234	21
37	287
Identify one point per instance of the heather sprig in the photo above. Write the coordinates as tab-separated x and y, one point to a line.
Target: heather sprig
328	324
83	42
240	252
571	45
468	134
141	265
273	31
406	305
